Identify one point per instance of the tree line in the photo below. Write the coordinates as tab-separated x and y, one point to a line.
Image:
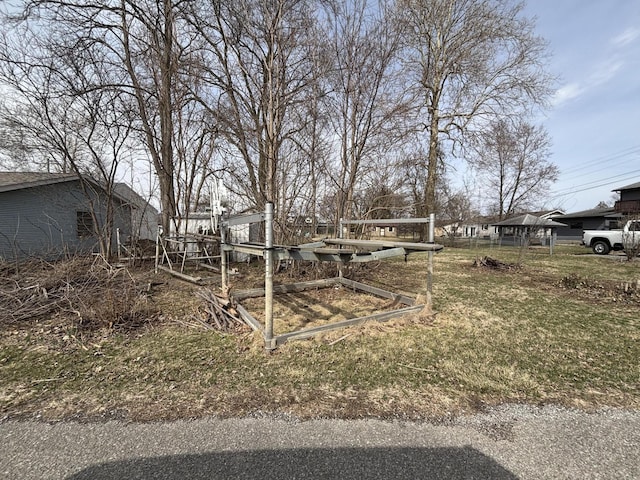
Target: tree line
327	108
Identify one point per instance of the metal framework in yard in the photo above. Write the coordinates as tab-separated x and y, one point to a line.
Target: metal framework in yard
190	249
340	251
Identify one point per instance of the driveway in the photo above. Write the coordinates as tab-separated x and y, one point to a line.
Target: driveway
507	443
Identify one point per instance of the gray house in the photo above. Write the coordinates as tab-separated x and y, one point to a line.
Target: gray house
601	218
629	203
144	216
48	215
593	219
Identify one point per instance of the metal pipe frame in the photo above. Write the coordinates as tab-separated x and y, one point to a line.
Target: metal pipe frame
276	340
318	251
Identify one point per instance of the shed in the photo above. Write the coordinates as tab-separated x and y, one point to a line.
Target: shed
592	219
48	215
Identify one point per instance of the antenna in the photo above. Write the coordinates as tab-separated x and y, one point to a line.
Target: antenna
217	195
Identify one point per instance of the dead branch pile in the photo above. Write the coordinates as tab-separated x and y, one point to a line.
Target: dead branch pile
602	290
488	262
89	291
220	311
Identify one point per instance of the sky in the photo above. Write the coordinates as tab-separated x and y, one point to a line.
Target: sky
594	122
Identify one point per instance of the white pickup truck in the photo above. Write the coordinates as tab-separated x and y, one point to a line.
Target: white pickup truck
603	241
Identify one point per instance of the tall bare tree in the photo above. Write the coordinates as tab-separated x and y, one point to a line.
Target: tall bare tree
472	60
512	157
364	99
258	69
143	52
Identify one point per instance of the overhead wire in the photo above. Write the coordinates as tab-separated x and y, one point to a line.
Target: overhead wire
604	158
586	186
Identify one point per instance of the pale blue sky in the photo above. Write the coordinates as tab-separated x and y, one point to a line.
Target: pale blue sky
595	120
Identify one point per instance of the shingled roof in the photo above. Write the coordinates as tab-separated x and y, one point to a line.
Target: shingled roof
633	186
10	181
19	180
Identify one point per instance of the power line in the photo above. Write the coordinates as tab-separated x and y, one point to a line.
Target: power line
579	190
605	158
585	186
595	169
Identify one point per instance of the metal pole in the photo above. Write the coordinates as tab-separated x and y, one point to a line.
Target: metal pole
340	234
268	278
119	244
158	239
223	255
432	239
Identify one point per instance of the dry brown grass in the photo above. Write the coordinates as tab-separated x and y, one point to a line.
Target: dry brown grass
536	335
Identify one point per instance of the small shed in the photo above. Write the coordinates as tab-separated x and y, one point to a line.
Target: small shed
522	228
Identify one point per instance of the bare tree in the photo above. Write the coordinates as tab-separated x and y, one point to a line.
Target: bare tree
363	99
456	209
258	69
513	159
471	60
59	118
142	50
631	236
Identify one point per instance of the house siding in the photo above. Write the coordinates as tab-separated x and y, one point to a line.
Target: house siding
631	194
576	223
42	221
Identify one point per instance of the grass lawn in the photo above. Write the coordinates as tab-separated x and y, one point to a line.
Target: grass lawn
561	329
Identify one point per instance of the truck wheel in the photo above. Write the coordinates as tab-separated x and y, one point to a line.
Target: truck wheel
601	248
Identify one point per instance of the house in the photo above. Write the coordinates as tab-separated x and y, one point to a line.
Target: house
601	218
485	226
475	227
50	214
629	203
592	219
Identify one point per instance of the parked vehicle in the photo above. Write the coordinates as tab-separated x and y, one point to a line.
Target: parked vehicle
603	241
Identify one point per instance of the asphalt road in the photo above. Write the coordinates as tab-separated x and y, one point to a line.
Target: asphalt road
507	443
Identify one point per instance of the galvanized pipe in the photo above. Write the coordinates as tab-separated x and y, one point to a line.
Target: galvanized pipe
223	255
268	278
432	239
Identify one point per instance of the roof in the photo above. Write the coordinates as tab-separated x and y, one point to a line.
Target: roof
633	186
547	213
593	212
528	220
133	198
19	180
10	181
